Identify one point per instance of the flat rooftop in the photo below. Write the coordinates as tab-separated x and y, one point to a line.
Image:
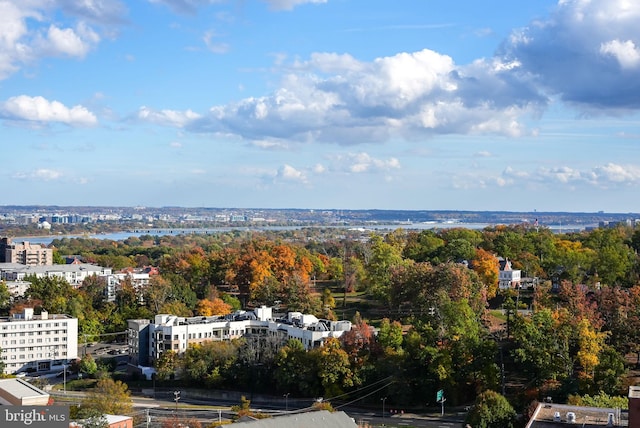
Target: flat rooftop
592	417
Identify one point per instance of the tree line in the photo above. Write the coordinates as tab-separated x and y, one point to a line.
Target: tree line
432	291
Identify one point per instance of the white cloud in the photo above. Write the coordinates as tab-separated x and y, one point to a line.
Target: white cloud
67	41
29	30
613	173
363	162
167	117
338	99
289	173
39	109
185	6
42	174
212	46
175	145
289	4
586	51
626	53
110	12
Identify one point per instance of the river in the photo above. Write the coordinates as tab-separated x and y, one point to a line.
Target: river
121	236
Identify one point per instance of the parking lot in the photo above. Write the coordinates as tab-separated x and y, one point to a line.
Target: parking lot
103	349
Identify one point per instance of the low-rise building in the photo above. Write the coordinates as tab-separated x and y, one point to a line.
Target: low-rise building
148	340
508	277
113	421
17	392
38	343
74	274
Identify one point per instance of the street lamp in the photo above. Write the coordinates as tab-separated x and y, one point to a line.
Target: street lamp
286	401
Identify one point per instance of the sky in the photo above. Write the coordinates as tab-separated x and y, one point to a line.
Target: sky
338	104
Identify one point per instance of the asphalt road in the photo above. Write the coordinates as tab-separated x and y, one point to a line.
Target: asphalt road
164	406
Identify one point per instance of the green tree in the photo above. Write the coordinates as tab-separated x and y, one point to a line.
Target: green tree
296	370
166	364
390	335
5	297
601	399
383	258
423	246
334	369
491	410
542	346
88	365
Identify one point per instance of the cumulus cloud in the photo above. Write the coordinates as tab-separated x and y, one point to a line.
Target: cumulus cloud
289	173
339	99
586	52
362	162
605	176
626	53
39	109
167	117
29	30
67	41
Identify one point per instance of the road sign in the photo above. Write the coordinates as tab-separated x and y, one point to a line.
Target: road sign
440	395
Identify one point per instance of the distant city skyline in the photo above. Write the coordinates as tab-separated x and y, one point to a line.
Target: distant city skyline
322	104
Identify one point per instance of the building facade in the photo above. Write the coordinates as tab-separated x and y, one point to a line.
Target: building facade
148	340
25	253
38	343
74	274
508	277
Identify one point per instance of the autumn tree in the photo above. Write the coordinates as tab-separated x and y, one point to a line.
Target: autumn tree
487	266
109	397
217	306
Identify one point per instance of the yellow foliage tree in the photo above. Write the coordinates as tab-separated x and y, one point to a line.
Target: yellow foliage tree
487	267
216	306
591	343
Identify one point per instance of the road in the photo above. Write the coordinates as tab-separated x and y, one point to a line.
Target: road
162	407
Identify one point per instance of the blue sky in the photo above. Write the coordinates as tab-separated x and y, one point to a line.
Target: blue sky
345	104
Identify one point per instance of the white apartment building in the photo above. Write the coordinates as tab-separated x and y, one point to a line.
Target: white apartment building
147	341
74	274
38	343
17	289
139	280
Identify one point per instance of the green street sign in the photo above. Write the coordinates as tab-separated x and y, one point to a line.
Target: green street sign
440	395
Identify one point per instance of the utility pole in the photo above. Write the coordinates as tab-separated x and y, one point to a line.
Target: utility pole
383	399
176	394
